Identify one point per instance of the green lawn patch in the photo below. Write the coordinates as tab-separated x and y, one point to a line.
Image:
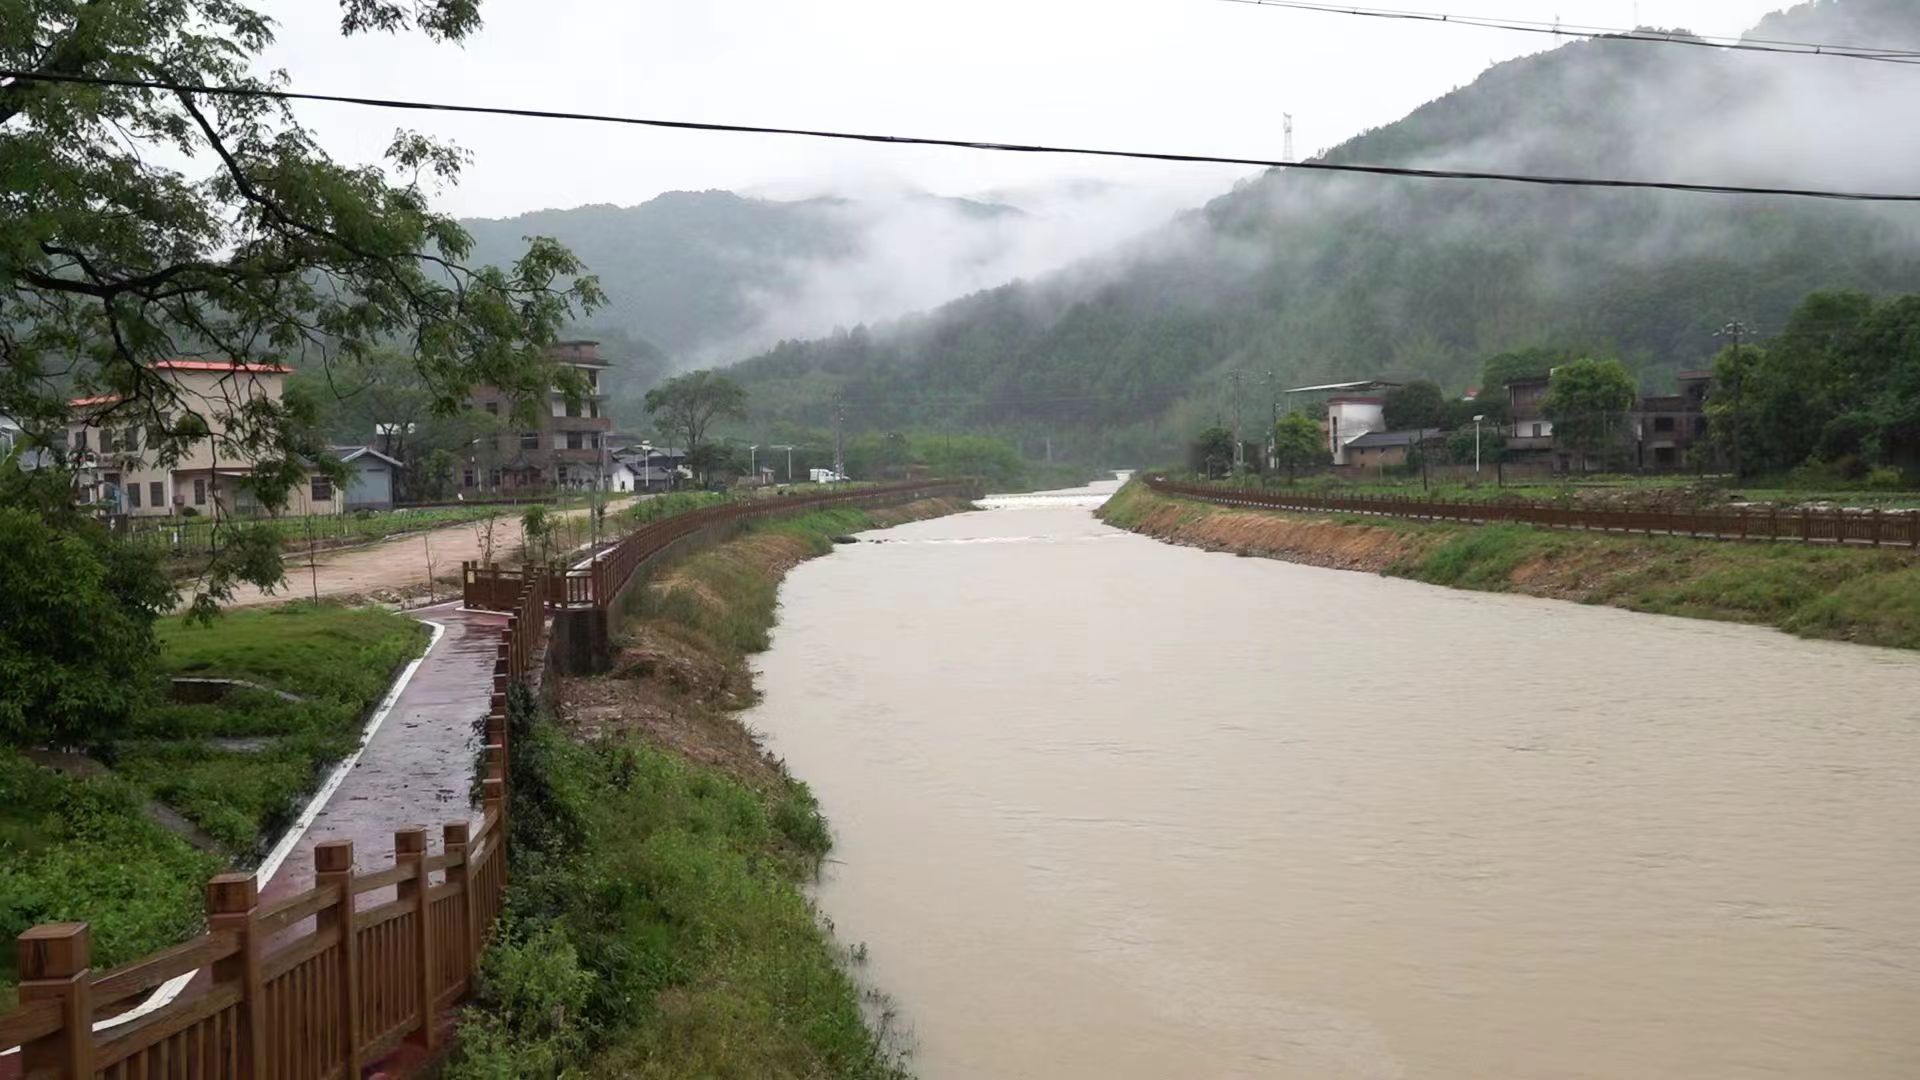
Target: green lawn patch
339	659
74	849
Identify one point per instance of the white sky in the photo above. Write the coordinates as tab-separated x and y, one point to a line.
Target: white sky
1199	76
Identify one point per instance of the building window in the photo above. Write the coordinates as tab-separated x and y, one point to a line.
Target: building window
321	489
133	495
199	491
593	408
593	378
529	440
1536	431
593	439
573	441
156	494
493	478
1663	423
562	474
80	439
493	408
573	409
466	478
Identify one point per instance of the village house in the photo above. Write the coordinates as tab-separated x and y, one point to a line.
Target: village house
119	468
1348	411
370	479
1662	432
1385	449
567	447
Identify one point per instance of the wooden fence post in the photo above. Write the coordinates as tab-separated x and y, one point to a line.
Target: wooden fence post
410	848
333	867
1876	526
54	961
454	836
493	801
233	900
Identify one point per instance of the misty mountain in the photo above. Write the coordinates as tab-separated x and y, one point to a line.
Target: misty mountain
1299	276
700	275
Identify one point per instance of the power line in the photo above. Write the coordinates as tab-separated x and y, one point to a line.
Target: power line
962	144
1570	30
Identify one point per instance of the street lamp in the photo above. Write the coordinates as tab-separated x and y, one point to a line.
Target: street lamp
1476	443
789	451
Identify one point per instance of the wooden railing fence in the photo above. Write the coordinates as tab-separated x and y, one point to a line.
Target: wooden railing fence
312	987
1874	528
599	581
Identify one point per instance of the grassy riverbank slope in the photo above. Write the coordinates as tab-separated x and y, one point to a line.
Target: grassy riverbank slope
657	925
1849	594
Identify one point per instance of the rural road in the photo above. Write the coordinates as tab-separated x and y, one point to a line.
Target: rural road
391	565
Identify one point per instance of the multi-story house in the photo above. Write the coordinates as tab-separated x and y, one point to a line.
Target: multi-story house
119	467
566	448
1672	428
1667	431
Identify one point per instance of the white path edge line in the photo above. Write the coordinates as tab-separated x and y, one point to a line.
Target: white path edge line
164	994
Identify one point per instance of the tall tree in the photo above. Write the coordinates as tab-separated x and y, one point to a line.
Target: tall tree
1211	453
1419	404
112	257
1588	401
1297	442
685	406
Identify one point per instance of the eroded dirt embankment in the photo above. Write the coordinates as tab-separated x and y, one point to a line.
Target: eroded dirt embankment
1316	541
1865	595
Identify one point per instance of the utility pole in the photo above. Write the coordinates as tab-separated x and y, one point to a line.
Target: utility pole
1734	331
1239	455
839	448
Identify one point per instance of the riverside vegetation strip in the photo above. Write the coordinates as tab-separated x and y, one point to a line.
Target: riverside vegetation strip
1847	594
658	925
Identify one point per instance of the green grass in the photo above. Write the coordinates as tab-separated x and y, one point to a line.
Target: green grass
340	659
657	928
81	850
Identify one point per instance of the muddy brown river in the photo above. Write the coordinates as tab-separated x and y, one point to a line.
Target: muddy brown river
1109	808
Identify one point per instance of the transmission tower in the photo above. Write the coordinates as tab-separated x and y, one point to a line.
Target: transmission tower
1286	125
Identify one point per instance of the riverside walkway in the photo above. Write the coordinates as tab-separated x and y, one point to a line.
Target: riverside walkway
417	767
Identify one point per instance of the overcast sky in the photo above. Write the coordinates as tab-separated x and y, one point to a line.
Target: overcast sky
1194	76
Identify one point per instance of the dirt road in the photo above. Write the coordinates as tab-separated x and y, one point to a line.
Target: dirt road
392	567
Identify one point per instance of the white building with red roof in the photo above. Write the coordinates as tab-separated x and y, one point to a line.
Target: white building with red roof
117	452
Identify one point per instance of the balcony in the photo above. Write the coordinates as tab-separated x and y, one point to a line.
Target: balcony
580	423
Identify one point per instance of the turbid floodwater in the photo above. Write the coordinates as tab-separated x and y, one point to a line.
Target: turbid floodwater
1109	808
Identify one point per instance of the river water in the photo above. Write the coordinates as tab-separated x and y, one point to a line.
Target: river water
1109	808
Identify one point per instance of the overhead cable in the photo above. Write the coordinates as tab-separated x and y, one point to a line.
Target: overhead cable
961	144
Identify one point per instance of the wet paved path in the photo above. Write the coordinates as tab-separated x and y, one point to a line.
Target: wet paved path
418	768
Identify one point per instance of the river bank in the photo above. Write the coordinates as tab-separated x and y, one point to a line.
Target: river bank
1866	596
658	924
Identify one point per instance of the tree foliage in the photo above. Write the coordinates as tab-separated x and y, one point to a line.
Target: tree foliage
1297	442
1839	386
111	258
686	406
1588	401
1211	453
78	657
1418	404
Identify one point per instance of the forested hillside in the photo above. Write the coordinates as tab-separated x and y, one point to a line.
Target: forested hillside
688	270
1313	276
